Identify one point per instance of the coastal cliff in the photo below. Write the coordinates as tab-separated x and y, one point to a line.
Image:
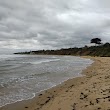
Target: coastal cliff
101	50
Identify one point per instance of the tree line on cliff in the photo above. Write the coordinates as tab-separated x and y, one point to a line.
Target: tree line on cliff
99	49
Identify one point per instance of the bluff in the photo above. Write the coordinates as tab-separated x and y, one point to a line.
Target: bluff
101	50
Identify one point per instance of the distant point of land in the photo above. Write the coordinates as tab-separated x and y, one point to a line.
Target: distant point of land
102	50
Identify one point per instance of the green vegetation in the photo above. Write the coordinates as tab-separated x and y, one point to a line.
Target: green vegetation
101	50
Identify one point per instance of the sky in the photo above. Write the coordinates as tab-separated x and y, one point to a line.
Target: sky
52	24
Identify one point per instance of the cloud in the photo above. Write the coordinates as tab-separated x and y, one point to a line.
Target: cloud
52	24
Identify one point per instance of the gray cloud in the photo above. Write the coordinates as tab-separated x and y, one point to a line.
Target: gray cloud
52	24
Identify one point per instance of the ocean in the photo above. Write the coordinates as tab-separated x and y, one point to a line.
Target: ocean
24	76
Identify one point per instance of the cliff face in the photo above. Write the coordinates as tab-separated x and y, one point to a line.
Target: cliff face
102	50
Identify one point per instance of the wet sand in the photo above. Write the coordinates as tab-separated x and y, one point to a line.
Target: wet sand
90	92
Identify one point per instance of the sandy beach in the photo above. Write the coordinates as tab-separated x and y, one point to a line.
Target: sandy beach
90	92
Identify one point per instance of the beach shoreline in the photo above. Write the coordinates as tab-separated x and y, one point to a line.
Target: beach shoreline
81	93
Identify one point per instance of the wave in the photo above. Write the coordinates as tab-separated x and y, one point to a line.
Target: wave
42	61
7	57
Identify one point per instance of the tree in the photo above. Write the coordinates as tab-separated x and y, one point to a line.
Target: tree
106	44
96	41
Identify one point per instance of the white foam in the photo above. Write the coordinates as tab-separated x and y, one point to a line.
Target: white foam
45	61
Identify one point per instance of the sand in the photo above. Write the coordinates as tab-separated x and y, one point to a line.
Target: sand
90	92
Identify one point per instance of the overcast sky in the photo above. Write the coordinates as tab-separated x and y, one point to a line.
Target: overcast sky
52	24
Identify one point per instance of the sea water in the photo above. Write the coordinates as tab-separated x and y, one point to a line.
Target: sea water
23	76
